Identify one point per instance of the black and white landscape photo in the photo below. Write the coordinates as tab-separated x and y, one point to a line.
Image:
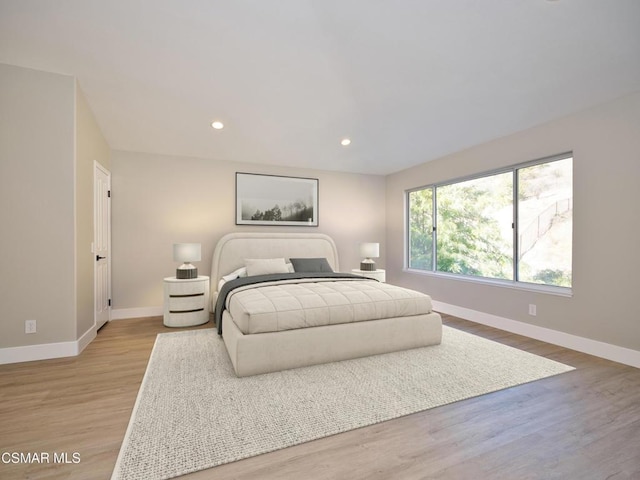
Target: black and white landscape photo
276	200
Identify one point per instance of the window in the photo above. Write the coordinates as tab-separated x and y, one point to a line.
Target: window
474	235
420	228
514	225
545	208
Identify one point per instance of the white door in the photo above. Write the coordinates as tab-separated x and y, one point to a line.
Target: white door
102	244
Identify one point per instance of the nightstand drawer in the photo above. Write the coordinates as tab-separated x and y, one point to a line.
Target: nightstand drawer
186	303
187	319
187	288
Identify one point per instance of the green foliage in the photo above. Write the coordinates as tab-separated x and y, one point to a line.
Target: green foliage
421	226
553	277
469	239
532	181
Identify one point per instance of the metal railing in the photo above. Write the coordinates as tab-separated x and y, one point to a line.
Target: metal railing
541	225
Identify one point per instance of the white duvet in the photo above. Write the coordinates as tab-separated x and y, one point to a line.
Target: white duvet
283	305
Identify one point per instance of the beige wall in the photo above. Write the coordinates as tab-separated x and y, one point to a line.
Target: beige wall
606	261
90	146
160	200
48	142
36	206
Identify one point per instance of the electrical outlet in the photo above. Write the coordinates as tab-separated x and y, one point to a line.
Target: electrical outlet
532	310
30	326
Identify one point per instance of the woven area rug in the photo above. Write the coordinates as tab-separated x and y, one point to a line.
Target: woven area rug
193	413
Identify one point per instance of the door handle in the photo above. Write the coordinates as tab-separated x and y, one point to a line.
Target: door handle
98	258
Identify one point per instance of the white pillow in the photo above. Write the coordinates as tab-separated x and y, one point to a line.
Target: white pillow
290	268
241	272
265	266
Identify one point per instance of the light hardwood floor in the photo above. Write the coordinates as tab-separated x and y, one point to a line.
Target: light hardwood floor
583	424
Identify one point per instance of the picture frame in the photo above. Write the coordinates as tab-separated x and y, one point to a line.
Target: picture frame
276	200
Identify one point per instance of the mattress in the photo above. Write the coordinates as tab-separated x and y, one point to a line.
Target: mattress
290	304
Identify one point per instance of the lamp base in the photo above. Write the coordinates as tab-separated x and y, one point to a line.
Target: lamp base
186	273
368	266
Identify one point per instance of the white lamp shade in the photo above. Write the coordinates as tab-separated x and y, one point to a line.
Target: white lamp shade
187	252
370	250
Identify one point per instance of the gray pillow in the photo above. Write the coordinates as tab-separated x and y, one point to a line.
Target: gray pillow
311	265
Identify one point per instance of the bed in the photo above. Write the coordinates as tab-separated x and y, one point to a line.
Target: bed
273	319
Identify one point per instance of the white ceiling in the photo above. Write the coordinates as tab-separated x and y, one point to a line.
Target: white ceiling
407	80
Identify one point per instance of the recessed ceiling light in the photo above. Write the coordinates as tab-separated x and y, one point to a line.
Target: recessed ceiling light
345	141
217	125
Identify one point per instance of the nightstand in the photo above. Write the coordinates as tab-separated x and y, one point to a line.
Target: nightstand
186	301
378	274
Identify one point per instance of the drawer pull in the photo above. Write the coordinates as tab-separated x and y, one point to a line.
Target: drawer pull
186	311
188	295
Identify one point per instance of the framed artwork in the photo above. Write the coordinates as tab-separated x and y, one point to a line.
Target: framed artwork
276	200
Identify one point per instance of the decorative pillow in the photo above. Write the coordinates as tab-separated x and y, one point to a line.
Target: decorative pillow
241	272
265	266
311	265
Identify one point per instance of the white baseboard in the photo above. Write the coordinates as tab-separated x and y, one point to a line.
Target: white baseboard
47	351
86	339
125	313
43	351
573	342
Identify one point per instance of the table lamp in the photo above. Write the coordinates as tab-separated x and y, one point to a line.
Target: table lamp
369	251
186	253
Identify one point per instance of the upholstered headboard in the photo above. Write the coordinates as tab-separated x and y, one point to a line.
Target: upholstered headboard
233	248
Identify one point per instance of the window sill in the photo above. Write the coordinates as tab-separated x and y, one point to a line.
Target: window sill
528	287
